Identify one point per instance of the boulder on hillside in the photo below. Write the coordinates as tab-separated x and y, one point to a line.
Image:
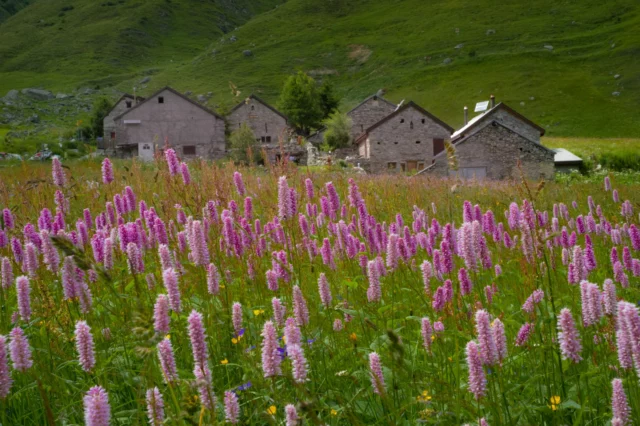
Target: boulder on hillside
38	94
12	95
548	47
62	96
447	61
145	80
247	53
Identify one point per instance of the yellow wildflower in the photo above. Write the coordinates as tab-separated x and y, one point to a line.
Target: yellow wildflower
257	312
555	401
334	412
272	410
168	336
235	341
353	337
224	361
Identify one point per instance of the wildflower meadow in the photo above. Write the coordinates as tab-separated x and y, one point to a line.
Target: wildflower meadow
205	294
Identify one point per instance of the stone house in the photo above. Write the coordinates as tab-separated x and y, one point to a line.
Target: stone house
169	117
123	104
268	124
404	141
369	112
492	145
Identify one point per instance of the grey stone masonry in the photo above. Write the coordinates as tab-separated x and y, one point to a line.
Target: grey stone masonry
369	112
403	141
493	152
123	104
191	129
267	123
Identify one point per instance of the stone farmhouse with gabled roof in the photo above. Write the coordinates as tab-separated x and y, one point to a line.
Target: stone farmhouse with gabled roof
369	112
492	145
404	141
268	124
170	117
123	104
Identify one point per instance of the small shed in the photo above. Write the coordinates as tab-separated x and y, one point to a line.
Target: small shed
566	161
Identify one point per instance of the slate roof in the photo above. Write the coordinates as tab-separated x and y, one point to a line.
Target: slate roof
175	92
475	121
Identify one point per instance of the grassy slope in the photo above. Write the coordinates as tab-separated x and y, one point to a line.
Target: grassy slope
104	42
9	8
409	40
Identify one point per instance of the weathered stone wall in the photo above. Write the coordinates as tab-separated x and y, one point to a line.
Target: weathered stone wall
264	122
395	141
177	120
110	124
518	125
498	150
368	114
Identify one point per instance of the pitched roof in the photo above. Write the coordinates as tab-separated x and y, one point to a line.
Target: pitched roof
375	97
477	119
124	96
565	157
410	104
497	123
175	92
252	96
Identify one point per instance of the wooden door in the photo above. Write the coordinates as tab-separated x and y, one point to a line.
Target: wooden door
412	166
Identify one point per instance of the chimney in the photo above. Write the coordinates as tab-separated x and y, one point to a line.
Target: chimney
466	115
493	101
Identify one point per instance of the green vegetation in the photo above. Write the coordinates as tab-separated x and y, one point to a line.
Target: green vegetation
301	101
9	8
244	147
359	46
101	109
611	154
338	131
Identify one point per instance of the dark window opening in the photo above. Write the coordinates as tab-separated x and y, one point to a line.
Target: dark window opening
266	129
417	141
379	143
391	166
268	139
113	135
423	121
189	150
253	107
402	120
411	125
396	143
263	139
438	146
160	99
128	104
403	167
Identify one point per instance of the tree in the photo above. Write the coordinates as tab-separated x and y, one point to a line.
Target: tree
300	101
328	100
100	110
338	130
244	146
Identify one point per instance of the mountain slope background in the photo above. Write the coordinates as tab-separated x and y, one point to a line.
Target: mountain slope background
573	66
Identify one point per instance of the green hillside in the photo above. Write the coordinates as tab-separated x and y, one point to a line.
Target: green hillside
571	65
9	8
60	44
402	46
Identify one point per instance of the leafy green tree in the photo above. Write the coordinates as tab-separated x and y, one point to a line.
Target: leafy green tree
328	99
338	131
244	146
100	110
300	101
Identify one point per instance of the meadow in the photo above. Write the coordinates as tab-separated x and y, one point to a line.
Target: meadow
199	293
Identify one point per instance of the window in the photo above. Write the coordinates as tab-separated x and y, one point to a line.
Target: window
268	139
128	104
263	139
253	107
402	120
423	121
113	135
189	150
392	166
160	99
379	143
395	143
266	129
417	141
411	125
420	166
403	167
438	146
